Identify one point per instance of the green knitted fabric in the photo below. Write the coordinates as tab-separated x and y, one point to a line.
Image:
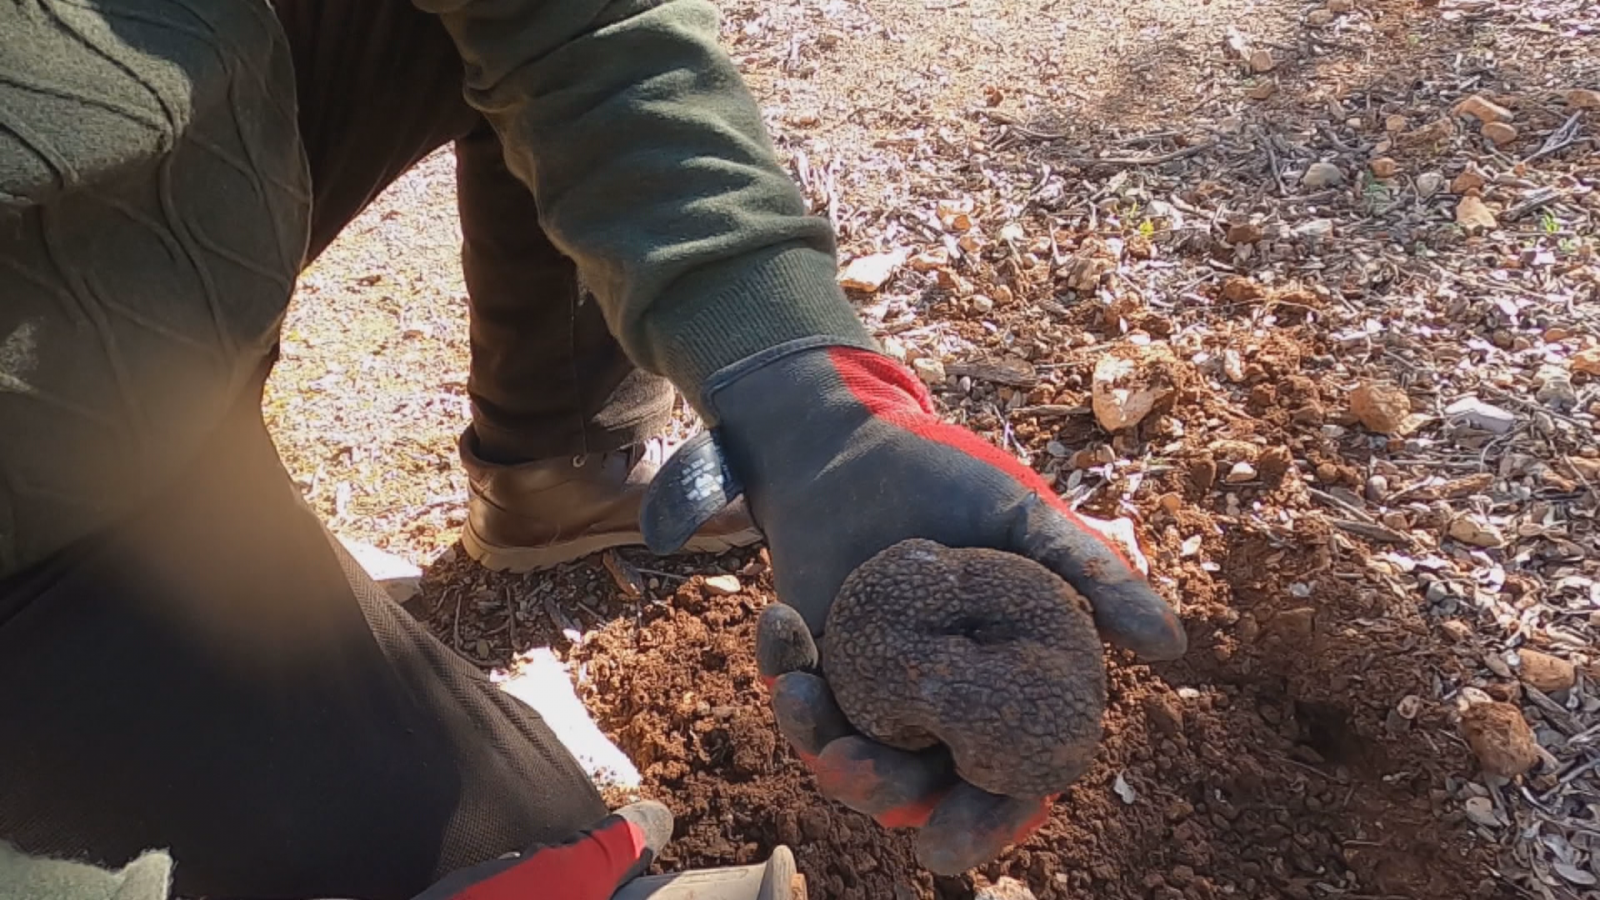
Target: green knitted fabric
654	172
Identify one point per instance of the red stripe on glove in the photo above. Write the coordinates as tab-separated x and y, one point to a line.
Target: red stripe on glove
588	869
894	394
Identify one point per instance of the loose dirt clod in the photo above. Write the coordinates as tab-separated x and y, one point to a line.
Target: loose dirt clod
1550	674
988	653
1382	408
1500	738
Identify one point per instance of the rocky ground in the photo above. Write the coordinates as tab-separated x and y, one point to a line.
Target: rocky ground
1304	296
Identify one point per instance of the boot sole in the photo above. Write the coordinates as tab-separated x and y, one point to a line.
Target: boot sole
518	560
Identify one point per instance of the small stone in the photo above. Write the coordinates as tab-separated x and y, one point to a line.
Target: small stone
1171	502
1470	179
1261	61
1498	666
1385	167
1004	889
930	370
982	305
1473	216
1394	124
1319	18
1262	91
895	349
1377	488
1238	289
1456	630
1428	184
1341	6
1243	231
1327	473
1500	738
1481	811
1482	109
722	585
1240	473
1550	674
1435	591
1472	529
1586	361
869	273
1396	519
1500	132
1555	388
1311	414
1321	174
931	260
1582	98
1476	414
1381	408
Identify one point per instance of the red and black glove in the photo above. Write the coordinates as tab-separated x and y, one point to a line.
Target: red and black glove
840	454
593	865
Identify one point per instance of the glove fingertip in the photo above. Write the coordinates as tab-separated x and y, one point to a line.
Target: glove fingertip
783	642
973	826
877	779
653	821
1134	617
807	714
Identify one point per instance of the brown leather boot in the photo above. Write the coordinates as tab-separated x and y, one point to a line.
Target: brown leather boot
540	514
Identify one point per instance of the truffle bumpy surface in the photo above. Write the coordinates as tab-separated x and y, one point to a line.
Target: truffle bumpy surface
986	652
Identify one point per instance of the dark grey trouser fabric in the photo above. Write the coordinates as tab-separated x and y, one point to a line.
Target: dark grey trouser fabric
186	661
215	676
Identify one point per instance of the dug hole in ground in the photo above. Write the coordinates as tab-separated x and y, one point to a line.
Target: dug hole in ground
1302	294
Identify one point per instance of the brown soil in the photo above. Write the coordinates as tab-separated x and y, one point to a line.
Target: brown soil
1260	767
679	693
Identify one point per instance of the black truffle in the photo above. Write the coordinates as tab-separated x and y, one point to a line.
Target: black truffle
988	653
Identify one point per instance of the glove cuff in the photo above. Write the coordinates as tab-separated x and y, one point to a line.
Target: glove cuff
725	315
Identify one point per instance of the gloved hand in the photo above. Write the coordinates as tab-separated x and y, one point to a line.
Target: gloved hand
840	455
593	865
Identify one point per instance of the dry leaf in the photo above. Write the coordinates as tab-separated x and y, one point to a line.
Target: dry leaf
1473	215
1129	384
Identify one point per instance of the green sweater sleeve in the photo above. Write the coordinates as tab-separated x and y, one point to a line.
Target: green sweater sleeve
652	169
38	878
